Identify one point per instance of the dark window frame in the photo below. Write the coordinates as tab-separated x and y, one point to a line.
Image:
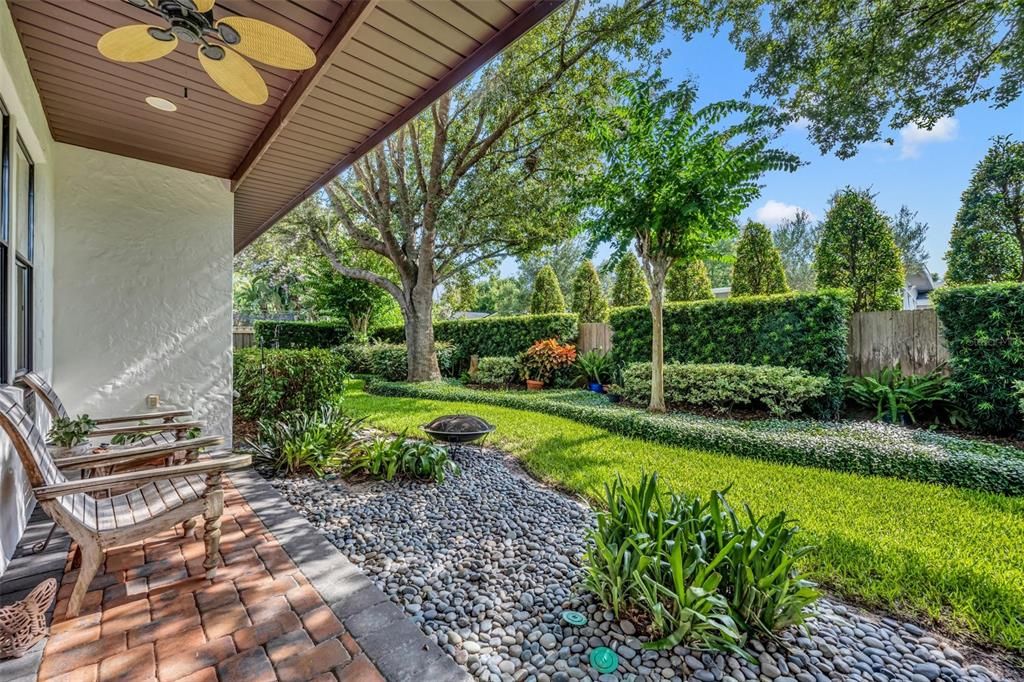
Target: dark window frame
5	232
23	262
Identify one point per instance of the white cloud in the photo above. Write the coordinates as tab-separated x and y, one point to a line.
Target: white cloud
774	212
913	137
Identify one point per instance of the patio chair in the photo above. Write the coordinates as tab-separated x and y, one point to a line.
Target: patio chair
165	496
165	430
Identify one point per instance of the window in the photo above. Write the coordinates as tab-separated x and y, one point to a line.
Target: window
24	246
5	231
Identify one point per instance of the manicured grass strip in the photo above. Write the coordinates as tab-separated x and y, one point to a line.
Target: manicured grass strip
950	555
870	449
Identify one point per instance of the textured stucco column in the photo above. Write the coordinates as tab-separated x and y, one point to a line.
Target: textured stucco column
142	286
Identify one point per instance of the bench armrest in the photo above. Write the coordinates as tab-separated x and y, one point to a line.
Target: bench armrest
142	453
145	428
215	463
163	414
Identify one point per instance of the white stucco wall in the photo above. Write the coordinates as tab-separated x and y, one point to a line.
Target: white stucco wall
29	122
143	286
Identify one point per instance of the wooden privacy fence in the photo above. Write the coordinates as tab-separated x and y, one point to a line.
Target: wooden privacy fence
909	339
243	337
594	336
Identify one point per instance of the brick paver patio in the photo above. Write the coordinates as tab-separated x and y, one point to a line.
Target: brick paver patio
283	605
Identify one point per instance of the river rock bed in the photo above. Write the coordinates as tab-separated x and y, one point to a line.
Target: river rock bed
486	563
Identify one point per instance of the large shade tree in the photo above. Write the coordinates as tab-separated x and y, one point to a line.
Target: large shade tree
987	244
853	69
674	178
857	251
484	172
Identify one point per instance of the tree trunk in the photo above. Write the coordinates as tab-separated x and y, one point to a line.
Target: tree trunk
419	336
657	272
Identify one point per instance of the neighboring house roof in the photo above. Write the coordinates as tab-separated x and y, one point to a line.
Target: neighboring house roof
467	315
379	63
921	279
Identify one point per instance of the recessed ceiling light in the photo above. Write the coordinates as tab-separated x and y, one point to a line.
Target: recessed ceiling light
161	104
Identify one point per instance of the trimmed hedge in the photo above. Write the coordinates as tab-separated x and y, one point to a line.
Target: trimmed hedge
271	382
984	328
866	448
498	372
390	360
805	331
783	391
326	334
494	336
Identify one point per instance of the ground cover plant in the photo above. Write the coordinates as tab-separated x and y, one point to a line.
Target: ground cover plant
384	457
854	446
950	556
693	568
895	397
301	442
782	391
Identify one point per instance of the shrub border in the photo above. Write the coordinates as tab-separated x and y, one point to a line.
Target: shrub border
913	462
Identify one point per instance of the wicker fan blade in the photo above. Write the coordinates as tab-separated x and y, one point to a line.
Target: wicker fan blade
269	44
134	43
203	5
236	76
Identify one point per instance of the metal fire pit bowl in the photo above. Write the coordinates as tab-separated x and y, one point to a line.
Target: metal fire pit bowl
458	428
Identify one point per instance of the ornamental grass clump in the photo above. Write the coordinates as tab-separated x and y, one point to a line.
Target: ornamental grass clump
387	458
300	441
693	569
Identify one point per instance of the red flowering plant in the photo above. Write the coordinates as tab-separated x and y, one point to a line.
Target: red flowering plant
544	358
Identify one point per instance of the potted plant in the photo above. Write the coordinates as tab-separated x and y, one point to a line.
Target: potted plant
543	359
68	437
593	368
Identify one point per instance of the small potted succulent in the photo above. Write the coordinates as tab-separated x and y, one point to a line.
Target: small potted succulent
594	368
69	437
543	359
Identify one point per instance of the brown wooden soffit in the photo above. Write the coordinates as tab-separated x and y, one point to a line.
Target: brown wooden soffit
379	63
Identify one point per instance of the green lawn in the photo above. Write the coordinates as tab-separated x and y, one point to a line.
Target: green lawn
951	556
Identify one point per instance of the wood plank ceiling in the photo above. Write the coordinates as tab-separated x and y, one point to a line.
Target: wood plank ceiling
379	62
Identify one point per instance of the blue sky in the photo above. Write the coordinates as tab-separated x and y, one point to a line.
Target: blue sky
926	170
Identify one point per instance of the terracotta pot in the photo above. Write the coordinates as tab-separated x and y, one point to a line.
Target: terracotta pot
534	385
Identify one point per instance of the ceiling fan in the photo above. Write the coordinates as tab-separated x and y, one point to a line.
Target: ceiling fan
221	44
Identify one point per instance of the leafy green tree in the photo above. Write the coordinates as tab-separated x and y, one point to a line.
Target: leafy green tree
758	268
630	287
488	170
854	68
796	239
564	258
326	293
720	259
857	251
588	300
673	180
499	295
547	294
987	244
688	281
460	295
910	233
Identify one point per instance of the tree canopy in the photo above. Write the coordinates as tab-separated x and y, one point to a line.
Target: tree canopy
910	233
588	301
796	239
857	252
987	243
547	294
688	281
630	287
758	268
854	69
